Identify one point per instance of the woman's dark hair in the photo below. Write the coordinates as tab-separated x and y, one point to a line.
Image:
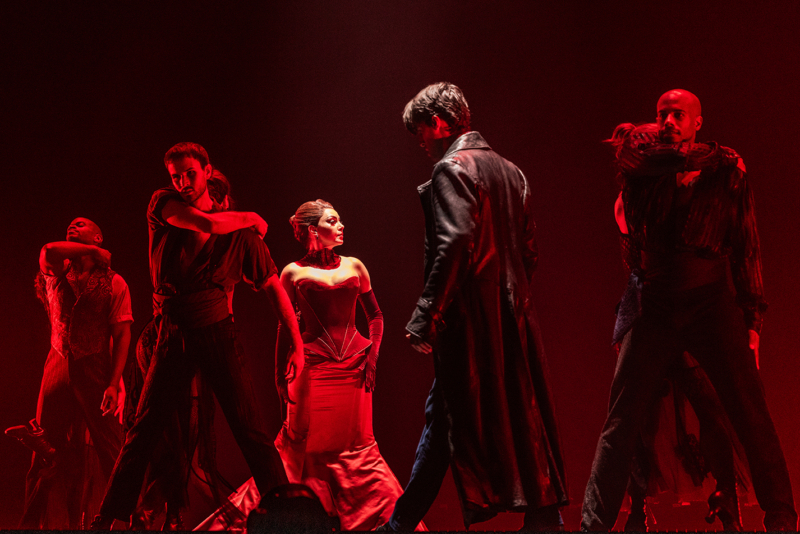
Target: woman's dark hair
626	141
443	99
307	215
218	188
628	135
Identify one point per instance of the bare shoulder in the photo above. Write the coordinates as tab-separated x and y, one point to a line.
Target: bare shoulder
290	271
356	266
354	263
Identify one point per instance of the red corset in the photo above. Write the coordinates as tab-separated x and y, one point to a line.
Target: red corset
329	315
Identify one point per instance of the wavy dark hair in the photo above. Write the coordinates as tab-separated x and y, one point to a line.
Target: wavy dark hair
443	99
625	140
219	187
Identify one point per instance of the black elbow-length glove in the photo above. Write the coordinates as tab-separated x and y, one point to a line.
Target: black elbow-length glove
375	318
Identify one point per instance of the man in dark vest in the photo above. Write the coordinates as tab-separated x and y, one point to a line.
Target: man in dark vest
490	414
89	307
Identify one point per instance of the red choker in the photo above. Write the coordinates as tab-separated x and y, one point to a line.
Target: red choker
321	259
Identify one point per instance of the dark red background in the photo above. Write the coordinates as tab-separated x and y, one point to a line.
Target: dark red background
300	100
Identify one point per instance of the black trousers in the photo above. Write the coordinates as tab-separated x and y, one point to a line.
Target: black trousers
70	395
212	350
430	466
690	381
706	322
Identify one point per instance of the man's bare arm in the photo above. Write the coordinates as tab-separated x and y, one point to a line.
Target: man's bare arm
223	222
285	311
53	255
121	337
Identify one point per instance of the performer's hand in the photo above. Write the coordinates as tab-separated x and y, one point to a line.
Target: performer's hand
118	413
294	366
754	341
369	377
110	397
283	389
102	257
418	344
259	225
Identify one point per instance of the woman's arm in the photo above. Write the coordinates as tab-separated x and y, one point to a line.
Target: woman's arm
375	319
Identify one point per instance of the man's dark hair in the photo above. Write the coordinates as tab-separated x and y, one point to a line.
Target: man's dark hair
186	150
443	99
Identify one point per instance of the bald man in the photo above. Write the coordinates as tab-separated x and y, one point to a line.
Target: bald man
687	225
89	308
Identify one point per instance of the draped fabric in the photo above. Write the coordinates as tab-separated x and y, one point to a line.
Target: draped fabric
673	437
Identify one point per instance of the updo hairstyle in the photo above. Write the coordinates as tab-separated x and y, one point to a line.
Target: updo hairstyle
307	215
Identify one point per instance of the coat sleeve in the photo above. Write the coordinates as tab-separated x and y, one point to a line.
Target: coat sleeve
530	250
455	211
745	255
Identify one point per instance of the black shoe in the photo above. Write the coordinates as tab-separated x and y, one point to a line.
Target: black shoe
101	522
544	519
142	520
636	523
725	505
35	438
173	522
384	528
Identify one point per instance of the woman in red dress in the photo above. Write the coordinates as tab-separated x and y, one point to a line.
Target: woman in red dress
326	441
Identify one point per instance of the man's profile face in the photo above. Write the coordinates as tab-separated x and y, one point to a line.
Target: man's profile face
433	138
678	117
82	230
189	178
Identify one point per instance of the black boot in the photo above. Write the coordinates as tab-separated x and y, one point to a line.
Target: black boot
35	438
101	522
173	521
142	519
725	505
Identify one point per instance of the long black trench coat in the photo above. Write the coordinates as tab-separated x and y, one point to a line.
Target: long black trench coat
476	310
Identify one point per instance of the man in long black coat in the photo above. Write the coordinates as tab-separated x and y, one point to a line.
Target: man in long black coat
490	412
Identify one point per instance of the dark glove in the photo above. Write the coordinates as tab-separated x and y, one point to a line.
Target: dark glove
375	318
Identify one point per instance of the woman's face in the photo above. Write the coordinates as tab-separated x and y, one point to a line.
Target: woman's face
329	229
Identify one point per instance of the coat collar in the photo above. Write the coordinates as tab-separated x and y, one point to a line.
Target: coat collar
468	141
